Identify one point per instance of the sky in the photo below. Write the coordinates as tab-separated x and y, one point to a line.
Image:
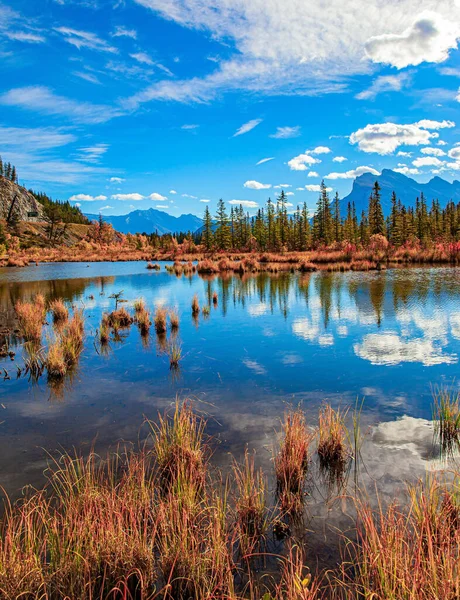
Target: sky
118	105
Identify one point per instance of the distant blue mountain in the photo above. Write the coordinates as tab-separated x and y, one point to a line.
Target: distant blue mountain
151	221
407	190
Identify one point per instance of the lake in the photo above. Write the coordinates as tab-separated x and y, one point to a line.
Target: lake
271	341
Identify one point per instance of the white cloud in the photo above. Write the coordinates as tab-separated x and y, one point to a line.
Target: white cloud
321	150
430	124
142	58
205	200
302	162
247	127
384	138
85	39
284	133
428	39
427	161
433	151
162	206
87	198
441	143
172	192
408	154
264	160
190	127
405	170
339	159
107	207
289	194
41	99
92	154
156	196
281	186
287	47
24	36
352	173
87	77
454	153
189	196
256	185
121	31
123	197
316	188
34	138
245	203
116	180
385	83
313	174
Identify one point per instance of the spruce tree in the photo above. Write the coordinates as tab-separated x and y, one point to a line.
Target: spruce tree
223	235
207	230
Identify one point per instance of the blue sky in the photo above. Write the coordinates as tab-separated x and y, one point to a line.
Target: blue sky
172	104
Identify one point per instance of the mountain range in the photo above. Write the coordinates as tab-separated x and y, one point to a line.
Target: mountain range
151	221
406	188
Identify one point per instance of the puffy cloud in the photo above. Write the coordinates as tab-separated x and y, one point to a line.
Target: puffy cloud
427	161
284	133
245	203
116	180
384	138
256	185
454	153
107	207
433	151
87	198
402	153
41	99
172	192
405	170
302	162
289	194
124	197
384	83
321	150
316	188
339	159
312	174
156	196
264	160
353	173
249	126
428	39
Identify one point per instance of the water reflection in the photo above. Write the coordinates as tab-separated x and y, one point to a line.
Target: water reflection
268	340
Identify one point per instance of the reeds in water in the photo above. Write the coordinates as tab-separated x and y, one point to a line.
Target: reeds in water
159	320
173	319
175	354
291	461
59	311
195	305
31	317
120	318
333	444
446	417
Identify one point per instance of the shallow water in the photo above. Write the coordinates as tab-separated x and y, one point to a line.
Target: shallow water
272	340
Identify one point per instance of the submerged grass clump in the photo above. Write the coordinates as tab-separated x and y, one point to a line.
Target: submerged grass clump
173	319
195	305
120	318
291	462
175	354
446	417
159	320
31	317
333	447
59	310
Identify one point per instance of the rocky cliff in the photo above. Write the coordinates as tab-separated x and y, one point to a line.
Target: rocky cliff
16	200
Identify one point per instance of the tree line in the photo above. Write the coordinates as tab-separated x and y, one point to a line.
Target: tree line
274	229
8	171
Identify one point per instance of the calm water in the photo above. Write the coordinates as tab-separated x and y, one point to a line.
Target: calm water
271	341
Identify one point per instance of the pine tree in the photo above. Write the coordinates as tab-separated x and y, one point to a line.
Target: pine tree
1	166
375	212
223	235
207	230
336	219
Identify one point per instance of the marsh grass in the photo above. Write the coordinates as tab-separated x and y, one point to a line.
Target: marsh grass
195	305
31	318
175	354
250	504
55	361
333	443
173	319
179	446
33	359
59	311
159	320
291	461
120	318
206	310
104	330
446	417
